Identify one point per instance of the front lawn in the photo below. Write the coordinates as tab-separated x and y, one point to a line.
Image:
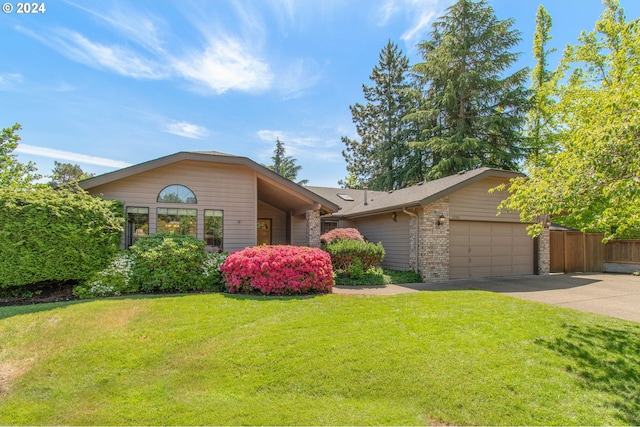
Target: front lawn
457	357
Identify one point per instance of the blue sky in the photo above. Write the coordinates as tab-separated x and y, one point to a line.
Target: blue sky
106	84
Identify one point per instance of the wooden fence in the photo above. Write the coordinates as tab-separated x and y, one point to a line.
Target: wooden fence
574	251
622	256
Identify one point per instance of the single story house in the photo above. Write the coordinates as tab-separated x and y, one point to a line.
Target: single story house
445	229
229	201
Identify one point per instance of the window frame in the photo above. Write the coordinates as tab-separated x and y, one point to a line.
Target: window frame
178	186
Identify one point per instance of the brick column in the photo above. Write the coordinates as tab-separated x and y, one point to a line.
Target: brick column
544	252
313	228
433	257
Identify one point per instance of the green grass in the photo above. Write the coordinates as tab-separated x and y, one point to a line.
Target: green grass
458	357
379	277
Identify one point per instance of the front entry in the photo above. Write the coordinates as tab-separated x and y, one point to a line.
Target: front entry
264	231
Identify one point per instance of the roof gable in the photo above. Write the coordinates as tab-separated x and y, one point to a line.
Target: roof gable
270	184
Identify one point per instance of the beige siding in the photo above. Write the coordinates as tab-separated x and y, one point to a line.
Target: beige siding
484	249
394	236
278	222
299	231
216	186
474	203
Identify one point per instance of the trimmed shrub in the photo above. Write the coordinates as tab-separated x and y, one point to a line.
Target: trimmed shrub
278	270
168	263
341	233
112	281
212	276
343	252
54	236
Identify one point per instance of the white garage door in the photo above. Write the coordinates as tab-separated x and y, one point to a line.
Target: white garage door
485	249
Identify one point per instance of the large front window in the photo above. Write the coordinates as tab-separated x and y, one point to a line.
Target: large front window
177	221
213	225
137	224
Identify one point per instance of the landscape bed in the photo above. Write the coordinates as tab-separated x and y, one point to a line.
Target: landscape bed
456	357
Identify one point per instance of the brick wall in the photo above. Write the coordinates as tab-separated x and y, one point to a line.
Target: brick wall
313	228
433	257
544	252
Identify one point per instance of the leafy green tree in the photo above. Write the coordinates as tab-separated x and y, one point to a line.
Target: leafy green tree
541	126
285	165
593	183
66	175
382	159
472	113
13	173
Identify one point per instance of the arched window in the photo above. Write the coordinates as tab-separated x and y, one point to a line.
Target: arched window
177	194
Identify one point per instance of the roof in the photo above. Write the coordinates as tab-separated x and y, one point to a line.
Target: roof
417	195
277	190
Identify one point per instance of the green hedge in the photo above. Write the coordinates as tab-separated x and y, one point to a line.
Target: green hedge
49	236
165	262
344	251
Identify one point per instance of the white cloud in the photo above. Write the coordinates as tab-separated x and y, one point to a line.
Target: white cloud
187	130
419	13
142	28
225	64
67	155
303	146
9	80
78	48
298	77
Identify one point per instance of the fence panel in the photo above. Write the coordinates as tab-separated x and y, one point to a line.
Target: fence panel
622	251
575	251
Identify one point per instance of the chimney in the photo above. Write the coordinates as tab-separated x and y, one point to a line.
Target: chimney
366	196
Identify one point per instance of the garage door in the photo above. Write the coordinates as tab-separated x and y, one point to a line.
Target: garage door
485	249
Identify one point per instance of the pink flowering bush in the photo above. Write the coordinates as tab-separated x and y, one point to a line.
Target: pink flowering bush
278	270
341	233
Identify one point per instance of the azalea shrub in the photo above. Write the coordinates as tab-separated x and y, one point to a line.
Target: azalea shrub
341	233
278	270
344	252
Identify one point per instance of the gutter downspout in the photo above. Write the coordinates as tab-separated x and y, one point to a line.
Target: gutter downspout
417	248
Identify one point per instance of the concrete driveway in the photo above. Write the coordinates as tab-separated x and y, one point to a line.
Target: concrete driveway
615	295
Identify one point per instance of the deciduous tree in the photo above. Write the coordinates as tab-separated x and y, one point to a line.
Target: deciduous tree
12	172
593	183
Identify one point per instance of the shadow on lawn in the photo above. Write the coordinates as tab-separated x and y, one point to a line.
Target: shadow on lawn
605	359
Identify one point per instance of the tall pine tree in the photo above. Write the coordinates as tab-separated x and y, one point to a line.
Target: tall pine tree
381	159
285	165
472	114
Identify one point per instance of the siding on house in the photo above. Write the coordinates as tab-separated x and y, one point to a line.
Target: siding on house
474	203
299	231
216	186
394	236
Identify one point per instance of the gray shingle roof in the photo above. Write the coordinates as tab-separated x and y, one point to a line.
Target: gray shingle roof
416	195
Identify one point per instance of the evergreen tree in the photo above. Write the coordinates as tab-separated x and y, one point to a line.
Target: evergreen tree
66	175
285	165
471	115
381	159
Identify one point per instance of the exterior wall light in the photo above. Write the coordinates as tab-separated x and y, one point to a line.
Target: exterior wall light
441	219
